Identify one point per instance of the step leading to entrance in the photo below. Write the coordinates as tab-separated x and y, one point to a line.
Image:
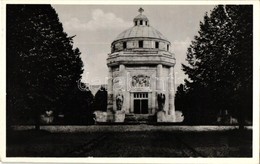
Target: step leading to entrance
139	118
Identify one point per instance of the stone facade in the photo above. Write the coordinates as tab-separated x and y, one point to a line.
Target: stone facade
141	67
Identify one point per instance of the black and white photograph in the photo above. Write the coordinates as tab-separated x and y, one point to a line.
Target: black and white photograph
131	82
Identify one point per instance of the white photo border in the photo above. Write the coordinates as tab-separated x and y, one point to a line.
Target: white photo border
256	90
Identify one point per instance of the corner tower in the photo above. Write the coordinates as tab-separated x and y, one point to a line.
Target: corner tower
141	72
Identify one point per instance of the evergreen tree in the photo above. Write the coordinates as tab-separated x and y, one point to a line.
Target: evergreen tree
42	66
79	110
241	48
220	63
100	101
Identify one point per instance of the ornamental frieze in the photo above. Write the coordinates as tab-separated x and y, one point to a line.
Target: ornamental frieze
140	81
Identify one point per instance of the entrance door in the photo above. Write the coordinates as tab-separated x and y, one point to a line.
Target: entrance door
141	103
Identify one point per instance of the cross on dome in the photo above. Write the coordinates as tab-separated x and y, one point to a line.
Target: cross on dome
141	10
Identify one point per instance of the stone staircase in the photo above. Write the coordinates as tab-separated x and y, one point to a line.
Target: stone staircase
138	118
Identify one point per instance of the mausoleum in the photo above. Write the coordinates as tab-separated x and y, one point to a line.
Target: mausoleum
141	74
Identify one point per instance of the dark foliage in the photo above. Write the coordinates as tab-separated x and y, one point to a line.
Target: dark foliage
79	110
42	65
220	67
100	102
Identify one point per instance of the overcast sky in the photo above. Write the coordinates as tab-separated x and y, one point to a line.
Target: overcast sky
96	26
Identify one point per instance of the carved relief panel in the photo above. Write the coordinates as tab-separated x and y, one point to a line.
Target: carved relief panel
140	81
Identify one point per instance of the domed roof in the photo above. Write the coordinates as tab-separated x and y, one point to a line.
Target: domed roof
141	29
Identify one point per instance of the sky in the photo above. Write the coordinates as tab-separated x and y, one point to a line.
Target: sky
96	27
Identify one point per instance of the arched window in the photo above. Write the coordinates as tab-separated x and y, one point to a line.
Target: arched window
146	23
135	23
141	22
168	47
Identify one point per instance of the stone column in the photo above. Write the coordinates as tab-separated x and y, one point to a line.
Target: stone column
110	90
131	103
171	86
159	81
154	100
126	91
153	85
122	75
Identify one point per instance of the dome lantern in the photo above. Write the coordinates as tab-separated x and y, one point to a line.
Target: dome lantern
141	20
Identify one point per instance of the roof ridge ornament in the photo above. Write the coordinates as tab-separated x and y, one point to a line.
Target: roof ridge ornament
141	10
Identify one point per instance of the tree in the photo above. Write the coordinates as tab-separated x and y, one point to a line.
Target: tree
79	110
220	62
100	101
42	66
241	19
